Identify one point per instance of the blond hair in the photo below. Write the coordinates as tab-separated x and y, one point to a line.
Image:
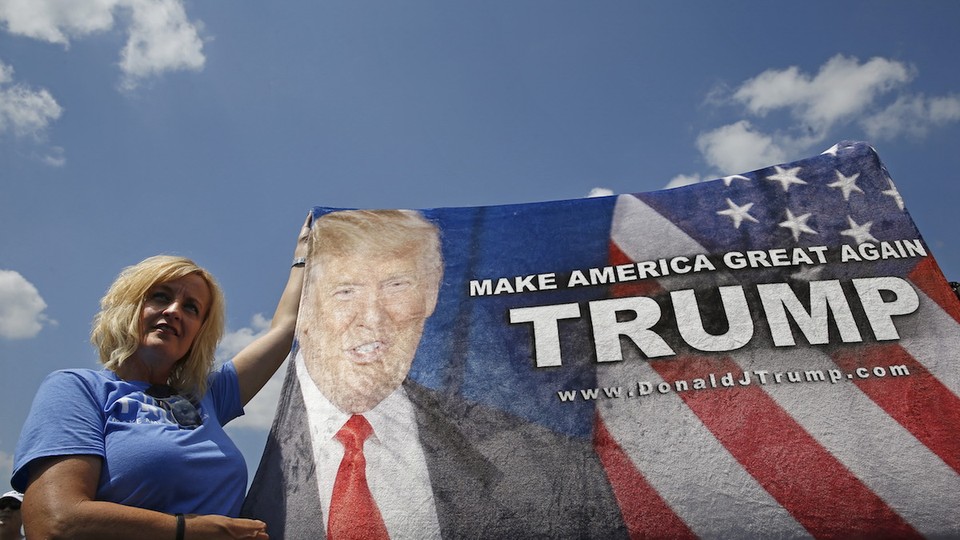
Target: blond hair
116	328
394	232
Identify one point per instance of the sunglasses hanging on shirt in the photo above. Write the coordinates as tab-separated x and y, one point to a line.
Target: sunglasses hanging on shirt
183	410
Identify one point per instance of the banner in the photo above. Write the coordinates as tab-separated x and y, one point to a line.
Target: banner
772	354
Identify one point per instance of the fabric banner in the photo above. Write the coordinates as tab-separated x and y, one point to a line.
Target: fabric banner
772	354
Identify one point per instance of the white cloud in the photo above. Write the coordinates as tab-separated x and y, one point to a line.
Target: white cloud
55	157
21	307
161	39
842	88
600	192
234	341
258	414
160	36
843	93
740	147
913	115
24	111
56	21
683	180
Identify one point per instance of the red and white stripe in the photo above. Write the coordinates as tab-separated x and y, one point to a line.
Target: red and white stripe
878	457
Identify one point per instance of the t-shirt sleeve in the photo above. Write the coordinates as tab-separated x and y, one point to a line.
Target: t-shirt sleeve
66	419
224	389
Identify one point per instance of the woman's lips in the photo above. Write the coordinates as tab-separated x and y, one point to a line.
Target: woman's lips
167	329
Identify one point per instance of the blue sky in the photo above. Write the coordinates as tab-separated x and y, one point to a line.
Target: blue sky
208	129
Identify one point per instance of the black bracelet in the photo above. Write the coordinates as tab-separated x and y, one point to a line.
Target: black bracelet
181	526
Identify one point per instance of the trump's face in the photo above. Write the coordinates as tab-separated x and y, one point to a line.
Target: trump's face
361	323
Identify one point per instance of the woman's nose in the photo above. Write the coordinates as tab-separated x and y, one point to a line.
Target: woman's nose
173	310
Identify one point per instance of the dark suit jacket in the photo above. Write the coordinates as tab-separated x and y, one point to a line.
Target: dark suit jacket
493	475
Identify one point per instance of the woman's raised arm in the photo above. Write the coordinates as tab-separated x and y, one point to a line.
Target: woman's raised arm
257	362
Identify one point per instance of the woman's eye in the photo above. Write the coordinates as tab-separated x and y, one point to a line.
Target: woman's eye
192	308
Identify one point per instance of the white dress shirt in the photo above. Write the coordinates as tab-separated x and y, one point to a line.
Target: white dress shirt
396	466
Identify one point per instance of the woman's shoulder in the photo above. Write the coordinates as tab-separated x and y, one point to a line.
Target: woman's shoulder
82	374
95	381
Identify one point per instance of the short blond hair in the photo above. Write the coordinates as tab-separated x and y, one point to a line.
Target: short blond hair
116	328
395	232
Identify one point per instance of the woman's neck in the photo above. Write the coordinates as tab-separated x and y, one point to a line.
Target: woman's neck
137	369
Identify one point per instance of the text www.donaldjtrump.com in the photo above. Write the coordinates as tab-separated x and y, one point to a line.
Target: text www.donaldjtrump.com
730	380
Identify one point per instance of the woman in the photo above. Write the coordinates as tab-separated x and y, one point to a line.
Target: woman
137	449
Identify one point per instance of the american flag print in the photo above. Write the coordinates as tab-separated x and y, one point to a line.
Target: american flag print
773	354
870	450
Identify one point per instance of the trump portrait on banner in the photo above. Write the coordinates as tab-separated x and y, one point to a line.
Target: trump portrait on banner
360	450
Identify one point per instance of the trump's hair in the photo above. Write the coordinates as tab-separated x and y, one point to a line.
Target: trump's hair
117	332
393	232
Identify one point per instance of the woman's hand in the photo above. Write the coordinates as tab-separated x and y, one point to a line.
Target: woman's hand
216	527
303	239
59	503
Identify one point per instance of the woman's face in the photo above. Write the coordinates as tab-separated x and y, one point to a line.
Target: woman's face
173	312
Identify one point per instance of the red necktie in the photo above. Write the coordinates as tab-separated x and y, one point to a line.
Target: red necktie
353	512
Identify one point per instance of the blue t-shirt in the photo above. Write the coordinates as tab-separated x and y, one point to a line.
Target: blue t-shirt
149	461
